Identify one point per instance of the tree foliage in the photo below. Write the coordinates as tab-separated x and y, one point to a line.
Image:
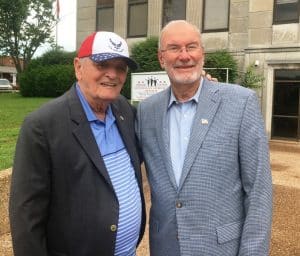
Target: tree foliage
250	79
49	75
145	54
221	59
24	26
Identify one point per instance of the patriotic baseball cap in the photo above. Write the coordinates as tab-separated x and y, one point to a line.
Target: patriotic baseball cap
102	45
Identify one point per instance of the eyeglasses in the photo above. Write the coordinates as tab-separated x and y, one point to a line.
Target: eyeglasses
191	48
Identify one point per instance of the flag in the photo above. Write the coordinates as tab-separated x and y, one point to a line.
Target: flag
57	8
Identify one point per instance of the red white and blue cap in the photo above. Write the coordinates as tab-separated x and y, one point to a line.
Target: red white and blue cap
102	45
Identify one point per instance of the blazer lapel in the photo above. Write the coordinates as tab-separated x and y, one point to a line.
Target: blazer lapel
163	135
82	131
208	104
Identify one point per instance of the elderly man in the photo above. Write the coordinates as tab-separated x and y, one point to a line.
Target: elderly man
76	183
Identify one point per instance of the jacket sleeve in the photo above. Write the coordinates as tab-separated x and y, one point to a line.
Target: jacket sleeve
30	189
257	182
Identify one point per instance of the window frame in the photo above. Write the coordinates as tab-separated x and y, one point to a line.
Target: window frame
163	16
276	21
140	2
218	29
105	6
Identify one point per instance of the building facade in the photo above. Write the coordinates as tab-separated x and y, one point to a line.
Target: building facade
265	33
8	69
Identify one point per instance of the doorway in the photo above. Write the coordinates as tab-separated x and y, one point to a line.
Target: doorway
286	105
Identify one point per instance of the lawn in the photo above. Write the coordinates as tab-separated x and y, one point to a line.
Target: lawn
13	109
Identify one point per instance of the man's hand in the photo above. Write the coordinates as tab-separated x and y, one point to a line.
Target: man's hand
208	76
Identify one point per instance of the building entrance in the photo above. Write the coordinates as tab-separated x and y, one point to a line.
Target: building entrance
286	105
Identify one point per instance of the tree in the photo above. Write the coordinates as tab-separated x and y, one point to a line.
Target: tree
221	59
49	75
145	54
24	26
251	79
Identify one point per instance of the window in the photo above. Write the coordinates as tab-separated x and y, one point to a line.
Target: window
215	15
137	18
105	15
173	10
286	104
286	11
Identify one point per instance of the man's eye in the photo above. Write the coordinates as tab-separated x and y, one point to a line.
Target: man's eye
174	48
102	65
121	68
192	47
105	66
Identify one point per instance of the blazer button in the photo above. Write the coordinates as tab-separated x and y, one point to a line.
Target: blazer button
178	204
113	228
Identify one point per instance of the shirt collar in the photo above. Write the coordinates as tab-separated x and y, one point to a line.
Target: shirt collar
195	98
109	117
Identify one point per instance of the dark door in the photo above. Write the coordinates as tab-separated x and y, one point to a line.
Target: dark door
286	107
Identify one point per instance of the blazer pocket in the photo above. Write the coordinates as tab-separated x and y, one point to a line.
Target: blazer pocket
229	231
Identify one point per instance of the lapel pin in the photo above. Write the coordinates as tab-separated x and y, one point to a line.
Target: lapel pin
122	118
204	121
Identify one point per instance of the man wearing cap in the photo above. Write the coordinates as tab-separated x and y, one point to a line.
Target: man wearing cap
76	184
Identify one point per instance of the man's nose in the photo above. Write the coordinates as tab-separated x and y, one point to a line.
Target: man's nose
184	54
111	72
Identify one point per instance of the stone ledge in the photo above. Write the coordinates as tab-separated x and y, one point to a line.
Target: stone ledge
5	178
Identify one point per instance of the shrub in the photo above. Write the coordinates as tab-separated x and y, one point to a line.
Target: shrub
52	57
47	81
250	79
145	54
49	75
221	59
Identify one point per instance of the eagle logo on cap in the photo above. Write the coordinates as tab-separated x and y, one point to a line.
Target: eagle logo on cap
116	46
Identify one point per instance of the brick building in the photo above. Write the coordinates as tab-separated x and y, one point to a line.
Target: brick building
7	69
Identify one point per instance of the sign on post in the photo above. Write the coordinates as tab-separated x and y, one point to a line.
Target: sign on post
146	84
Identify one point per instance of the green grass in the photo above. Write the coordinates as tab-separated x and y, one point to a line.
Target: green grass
13	109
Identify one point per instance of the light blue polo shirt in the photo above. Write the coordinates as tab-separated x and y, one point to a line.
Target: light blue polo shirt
122	175
180	118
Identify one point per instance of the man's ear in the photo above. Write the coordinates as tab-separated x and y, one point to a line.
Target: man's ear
160	59
77	67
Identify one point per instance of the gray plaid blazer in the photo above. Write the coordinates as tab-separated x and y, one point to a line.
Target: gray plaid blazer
223	204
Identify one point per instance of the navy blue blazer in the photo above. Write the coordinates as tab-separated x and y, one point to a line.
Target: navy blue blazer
62	201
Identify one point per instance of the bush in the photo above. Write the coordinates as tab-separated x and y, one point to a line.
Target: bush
250	79
52	57
145	54
47	81
49	75
221	59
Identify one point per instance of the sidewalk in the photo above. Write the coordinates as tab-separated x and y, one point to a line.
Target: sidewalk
285	163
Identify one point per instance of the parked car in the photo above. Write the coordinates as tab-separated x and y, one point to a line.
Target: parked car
5	84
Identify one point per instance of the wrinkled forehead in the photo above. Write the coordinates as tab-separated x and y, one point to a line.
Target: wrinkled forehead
180	34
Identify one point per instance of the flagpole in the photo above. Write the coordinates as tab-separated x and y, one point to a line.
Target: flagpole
57	21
